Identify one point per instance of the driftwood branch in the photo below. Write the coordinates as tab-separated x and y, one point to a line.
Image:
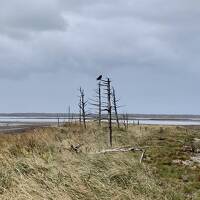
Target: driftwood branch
142	156
122	149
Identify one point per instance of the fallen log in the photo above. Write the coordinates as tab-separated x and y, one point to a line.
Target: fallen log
122	149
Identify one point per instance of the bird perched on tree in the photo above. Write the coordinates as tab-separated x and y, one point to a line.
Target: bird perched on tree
99	78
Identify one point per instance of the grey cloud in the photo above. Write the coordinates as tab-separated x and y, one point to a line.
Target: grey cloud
93	41
155	40
19	18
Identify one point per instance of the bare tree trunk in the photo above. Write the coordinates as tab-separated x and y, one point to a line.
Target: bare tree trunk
69	115
83	105
115	108
127	121
97	102
99	95
58	120
80	112
83	110
109	111
124	121
72	118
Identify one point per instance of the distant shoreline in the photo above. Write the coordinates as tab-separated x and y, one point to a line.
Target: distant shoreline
131	116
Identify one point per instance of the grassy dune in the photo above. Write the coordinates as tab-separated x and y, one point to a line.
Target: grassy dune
40	164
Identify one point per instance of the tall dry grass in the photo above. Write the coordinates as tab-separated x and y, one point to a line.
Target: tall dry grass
39	165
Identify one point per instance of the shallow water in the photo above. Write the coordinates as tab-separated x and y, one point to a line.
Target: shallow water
18	121
168	122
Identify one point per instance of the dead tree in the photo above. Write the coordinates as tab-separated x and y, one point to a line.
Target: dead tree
82	106
97	102
115	107
107	84
125	121
99	97
73	118
69	115
80	111
109	109
109	102
58	117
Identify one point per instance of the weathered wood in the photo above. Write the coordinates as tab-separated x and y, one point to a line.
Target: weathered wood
80	112
124	150
115	107
127	121
58	120
69	115
142	156
109	111
97	102
99	95
83	104
121	149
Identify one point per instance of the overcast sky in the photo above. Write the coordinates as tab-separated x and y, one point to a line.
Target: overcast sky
149	48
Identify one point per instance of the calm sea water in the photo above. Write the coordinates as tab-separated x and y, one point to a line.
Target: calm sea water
9	121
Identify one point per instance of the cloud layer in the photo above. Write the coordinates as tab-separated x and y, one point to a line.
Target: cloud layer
155	37
84	34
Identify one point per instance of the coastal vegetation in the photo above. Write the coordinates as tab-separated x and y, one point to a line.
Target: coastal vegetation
43	163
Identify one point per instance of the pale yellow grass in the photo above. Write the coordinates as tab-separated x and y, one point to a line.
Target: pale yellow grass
39	165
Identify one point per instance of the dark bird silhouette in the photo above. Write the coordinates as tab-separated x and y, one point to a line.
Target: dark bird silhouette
99	78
